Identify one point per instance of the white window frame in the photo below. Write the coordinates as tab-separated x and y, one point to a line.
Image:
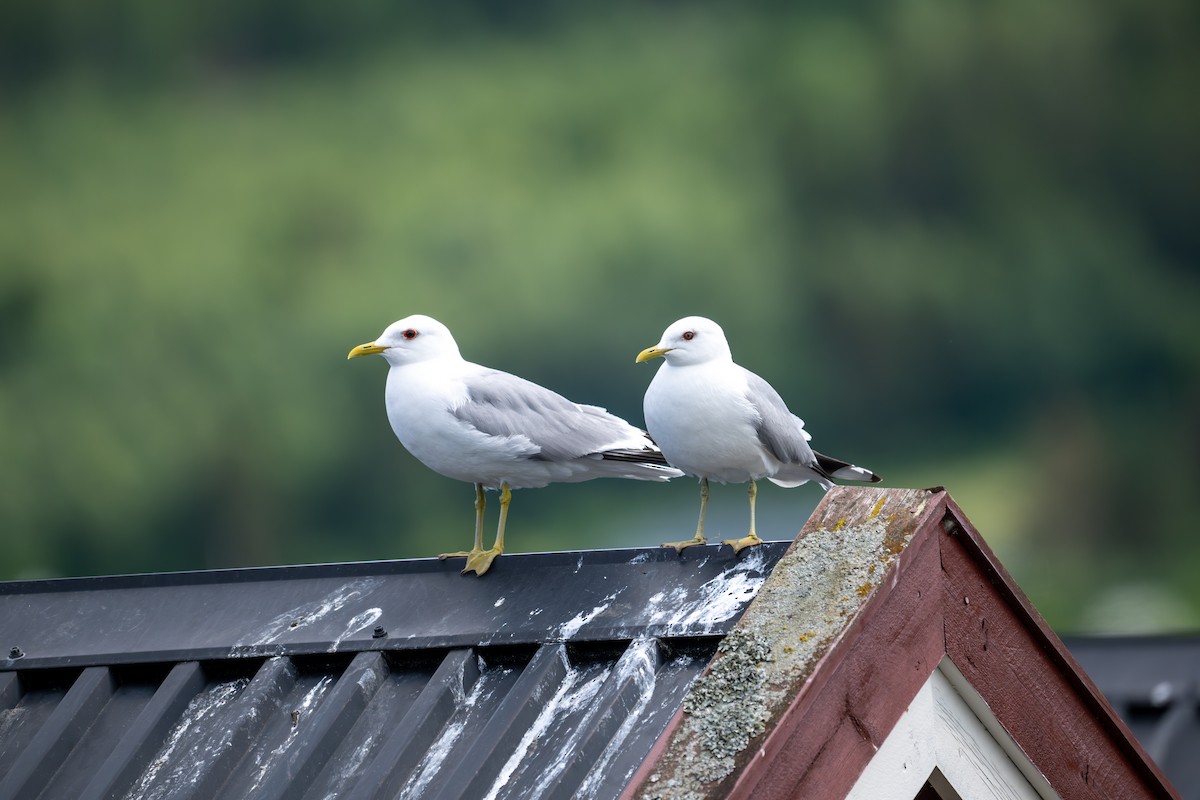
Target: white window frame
949	737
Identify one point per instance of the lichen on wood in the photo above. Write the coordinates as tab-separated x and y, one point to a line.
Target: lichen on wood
812	595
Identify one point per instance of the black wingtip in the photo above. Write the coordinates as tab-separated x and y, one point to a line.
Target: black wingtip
828	467
646	456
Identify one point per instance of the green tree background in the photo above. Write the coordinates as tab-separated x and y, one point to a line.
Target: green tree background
961	239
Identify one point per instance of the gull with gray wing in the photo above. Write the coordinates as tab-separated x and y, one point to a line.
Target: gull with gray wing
496	430
719	421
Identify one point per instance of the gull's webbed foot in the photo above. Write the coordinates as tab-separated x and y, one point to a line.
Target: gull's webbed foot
739	545
679	546
458	554
481	561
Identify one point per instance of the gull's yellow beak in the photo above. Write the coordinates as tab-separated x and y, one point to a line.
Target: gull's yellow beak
651	352
370	348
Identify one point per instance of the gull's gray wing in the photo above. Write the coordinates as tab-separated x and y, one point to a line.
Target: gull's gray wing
779	431
500	404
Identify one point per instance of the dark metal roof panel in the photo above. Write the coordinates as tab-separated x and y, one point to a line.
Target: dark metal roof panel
420	604
551	677
547	721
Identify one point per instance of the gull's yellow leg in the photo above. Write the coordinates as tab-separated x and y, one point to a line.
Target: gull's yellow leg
699	537
750	539
480	503
481	561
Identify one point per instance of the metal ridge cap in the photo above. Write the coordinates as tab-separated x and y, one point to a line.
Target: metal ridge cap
400	605
382	567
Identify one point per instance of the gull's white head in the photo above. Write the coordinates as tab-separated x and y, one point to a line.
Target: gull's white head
691	340
412	339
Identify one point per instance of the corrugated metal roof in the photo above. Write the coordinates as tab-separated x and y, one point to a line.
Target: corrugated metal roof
550	677
553	676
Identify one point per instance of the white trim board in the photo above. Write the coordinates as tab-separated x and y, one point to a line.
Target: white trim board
950	737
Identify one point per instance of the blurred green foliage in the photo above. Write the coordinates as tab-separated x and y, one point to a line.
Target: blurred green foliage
961	239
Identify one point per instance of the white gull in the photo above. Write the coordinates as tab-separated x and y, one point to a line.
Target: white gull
719	421
495	430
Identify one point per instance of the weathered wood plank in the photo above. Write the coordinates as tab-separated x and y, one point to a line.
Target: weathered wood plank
1003	647
846	709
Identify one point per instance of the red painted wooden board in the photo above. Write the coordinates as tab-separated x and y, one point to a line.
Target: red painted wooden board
1037	691
859	690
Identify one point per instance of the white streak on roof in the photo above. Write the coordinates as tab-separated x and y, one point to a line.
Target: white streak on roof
572	626
10	718
715	601
310	700
349	768
356	624
307	613
498	603
451	733
637	664
571	697
432	762
153	784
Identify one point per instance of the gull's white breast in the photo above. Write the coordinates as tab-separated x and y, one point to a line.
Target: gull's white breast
421	399
701	420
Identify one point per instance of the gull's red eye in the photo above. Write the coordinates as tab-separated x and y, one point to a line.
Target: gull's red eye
409	334
689	335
